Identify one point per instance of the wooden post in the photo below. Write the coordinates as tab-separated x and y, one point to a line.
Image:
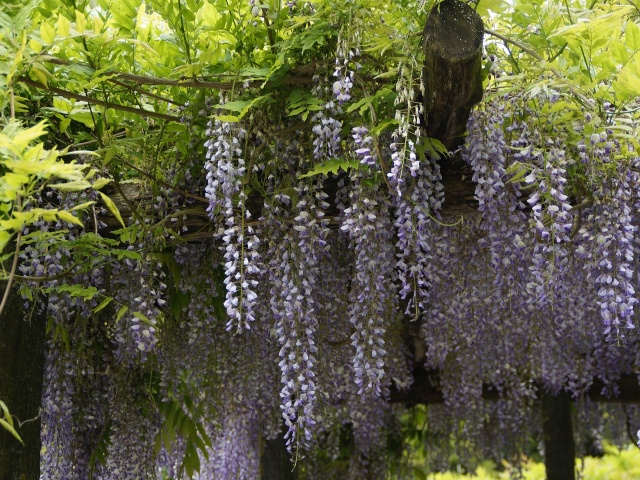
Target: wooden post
22	347
275	462
452	70
557	434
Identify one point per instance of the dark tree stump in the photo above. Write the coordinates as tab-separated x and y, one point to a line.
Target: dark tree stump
452	70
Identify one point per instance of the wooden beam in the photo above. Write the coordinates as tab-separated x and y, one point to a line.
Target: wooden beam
426	390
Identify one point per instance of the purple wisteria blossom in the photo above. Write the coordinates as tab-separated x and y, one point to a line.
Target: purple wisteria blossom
326	127
225	167
140	287
414	224
368	224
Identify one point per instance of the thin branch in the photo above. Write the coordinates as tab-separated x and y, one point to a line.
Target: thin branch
145	92
165	184
95	101
65	273
581	98
20	424
301	75
12	274
91	142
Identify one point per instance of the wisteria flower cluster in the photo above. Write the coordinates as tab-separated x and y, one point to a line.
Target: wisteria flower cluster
413	221
514	297
225	168
552	223
368	224
326	127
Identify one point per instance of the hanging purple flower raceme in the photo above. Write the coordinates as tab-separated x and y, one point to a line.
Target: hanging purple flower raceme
133	429
225	167
552	224
235	453
413	220
486	151
344	75
368	224
292	277
614	253
408	114
326	128
403	152
58	411
368	417
364	145
634	180
68	432
138	285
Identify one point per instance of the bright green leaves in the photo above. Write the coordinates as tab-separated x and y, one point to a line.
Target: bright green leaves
483	7
597	29
333	165
123	14
585	51
26	168
7	422
302	102
627	83
241	107
112	207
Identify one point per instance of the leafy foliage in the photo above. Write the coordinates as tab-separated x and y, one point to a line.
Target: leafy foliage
158	156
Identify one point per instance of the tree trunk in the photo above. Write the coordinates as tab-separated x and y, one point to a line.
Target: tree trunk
557	433
275	463
452	70
22	346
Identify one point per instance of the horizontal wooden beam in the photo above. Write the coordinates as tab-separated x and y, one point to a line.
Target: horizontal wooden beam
426	390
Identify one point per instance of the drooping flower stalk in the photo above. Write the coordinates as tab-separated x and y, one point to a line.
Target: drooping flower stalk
225	167
368	224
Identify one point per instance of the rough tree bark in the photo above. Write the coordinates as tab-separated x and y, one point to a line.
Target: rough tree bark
22	346
452	70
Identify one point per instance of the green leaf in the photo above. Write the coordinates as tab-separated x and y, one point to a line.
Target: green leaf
361	104
68	217
74	186
390	74
121	313
101	182
627	85
143	318
82	206
228	118
74	290
243	106
11	430
4	238
112	207
632	36
47	33
333	165
496	6
108	155
102	304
